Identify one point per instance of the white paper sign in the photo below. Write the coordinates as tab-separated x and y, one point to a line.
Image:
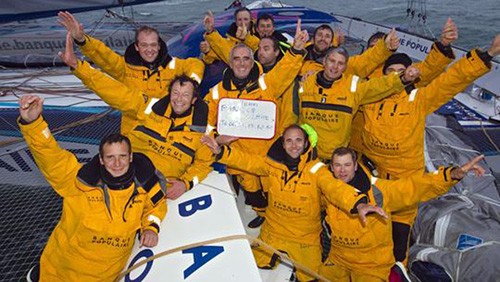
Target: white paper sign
246	118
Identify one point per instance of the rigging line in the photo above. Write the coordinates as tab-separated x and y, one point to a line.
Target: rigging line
61	129
459	148
482	126
7	122
488	136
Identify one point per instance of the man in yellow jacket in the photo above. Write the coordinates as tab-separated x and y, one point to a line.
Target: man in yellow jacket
105	202
439	57
298	180
329	99
393	132
168	130
362	65
362	251
244	79
146	65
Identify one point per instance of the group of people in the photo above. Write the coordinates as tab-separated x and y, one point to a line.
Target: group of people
329	103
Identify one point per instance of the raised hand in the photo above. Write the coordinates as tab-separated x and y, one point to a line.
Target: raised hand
472	165
209	22
495	46
68	56
338	37
67	20
450	33
241	32
411	73
30	107
301	37
392	40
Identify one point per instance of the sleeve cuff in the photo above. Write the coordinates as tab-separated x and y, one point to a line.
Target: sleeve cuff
445	50
298	52
363	200
153	227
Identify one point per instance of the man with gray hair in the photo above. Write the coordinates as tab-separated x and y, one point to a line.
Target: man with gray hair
245	79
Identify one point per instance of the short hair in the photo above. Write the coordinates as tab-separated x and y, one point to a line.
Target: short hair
376	35
276	44
265	17
340	50
239	46
296	126
114	138
321	27
241	10
146	29
183	79
342	151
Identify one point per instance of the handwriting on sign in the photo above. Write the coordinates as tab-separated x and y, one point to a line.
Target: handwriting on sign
246	118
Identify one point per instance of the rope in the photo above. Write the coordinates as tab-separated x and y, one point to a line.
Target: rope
251	239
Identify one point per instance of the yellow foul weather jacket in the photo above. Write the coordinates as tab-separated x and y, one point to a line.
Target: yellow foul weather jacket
293	211
367	248
98	225
152	79
172	142
432	66
393	132
329	107
260	86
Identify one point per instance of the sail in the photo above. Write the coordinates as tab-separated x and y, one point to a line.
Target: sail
15	10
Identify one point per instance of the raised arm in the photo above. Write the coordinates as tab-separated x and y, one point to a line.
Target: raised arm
462	73
108	60
406	192
378	88
113	92
440	56
365	64
59	166
278	79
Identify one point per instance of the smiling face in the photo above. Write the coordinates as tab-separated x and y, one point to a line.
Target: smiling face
182	97
344	167
116	158
243	17
322	40
334	65
148	45
241	61
267	53
294	142
265	27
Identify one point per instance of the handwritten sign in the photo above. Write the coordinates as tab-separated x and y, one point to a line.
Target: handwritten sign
246	118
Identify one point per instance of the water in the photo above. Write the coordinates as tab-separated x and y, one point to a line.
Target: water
477	23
